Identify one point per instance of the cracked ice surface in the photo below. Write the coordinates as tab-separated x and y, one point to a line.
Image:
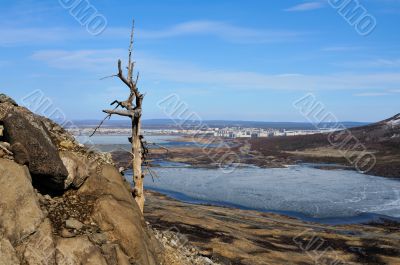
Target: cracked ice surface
313	192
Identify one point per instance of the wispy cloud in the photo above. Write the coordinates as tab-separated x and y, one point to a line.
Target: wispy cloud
341	48
306	6
186	73
88	60
373	63
18	36
222	30
372	94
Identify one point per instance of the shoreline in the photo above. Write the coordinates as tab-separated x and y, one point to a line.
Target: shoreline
245	237
360	219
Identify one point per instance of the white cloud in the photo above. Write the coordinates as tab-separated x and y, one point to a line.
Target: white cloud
224	31
306	6
186	73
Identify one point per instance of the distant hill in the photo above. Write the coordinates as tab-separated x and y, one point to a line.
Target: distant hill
381	139
172	124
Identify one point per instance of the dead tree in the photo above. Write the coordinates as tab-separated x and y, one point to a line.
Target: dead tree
131	108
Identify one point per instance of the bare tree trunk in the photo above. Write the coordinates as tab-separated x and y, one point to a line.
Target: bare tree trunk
134	112
138	176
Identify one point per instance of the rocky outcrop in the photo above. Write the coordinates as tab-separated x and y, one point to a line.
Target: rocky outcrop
19	207
107	181
92	219
6	99
32	146
118	215
121	223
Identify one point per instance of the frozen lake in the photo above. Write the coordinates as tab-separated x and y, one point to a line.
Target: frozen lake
302	191
331	196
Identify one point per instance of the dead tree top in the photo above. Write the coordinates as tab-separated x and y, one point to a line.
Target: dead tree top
130	108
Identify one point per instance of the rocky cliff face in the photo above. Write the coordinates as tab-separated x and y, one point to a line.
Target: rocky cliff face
61	203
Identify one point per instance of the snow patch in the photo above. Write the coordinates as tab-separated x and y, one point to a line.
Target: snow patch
394	122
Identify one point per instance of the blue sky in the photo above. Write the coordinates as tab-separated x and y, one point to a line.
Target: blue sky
234	60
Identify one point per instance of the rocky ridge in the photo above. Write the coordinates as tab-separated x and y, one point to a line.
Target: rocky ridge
62	203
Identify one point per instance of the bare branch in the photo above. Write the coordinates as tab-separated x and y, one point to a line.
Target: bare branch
121	75
137	79
108	77
101	123
119	112
151	173
130	64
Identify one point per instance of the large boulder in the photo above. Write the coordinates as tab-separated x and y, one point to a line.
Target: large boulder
123	224
119	217
107	182
32	146
77	251
20	213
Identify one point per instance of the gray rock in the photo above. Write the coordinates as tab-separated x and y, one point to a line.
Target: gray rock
19	206
98	238
78	250
32	146
73	224
4	98
78	168
40	247
125	222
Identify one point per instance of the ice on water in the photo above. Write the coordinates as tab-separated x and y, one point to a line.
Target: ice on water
314	192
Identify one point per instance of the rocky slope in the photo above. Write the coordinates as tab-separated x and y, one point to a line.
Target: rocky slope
63	204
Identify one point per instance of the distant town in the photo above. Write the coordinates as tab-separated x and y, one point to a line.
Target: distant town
226	132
